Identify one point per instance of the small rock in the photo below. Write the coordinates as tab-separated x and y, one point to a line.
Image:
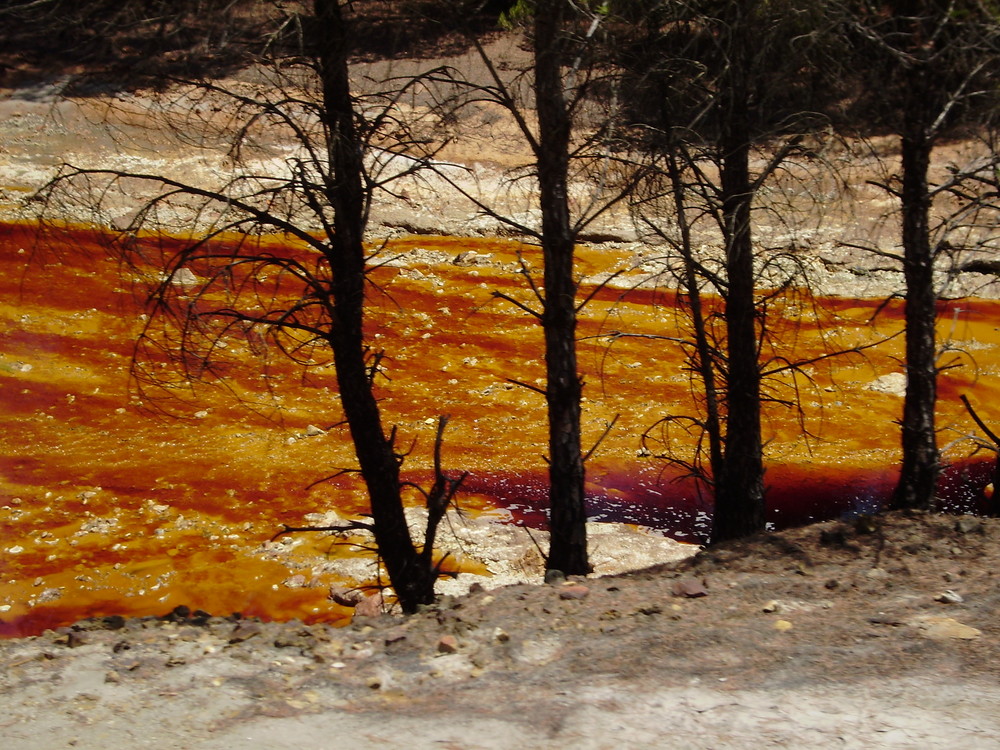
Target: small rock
944	628
574	591
178	614
295	582
893	383
113	622
448	644
345	597
50	595
949	597
771	606
314	431
690	588
470	258
184	277
968	525
554	576
782	625
370	606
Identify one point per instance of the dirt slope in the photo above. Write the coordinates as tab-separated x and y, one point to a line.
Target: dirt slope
874	634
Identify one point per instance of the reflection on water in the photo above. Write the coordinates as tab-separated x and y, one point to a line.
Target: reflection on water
107	507
677	508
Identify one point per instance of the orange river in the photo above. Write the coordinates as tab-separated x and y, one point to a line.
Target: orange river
111	506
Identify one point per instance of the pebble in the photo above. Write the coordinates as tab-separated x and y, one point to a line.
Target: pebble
949	597
345	597
690	588
968	525
574	591
447	644
370	606
944	628
554	577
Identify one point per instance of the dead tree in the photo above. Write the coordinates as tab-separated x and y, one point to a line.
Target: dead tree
712	98
217	285
933	66
569	131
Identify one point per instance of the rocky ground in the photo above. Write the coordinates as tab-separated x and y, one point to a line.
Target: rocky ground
880	633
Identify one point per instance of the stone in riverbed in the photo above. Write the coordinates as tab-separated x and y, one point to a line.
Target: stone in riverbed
893	383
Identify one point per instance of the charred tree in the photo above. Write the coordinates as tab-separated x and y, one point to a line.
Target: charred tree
567	502
934	68
721	115
921	463
240	297
566	127
411	577
739	492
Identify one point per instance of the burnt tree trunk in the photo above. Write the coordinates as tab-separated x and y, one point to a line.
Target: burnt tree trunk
920	467
567	503
376	454
739	492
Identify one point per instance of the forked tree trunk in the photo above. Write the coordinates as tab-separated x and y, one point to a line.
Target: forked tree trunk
379	464
920	468
567	504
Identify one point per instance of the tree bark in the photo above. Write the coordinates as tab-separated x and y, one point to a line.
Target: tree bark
379	464
920	467
739	492
567	502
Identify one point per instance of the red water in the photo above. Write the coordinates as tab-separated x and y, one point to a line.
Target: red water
108	508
